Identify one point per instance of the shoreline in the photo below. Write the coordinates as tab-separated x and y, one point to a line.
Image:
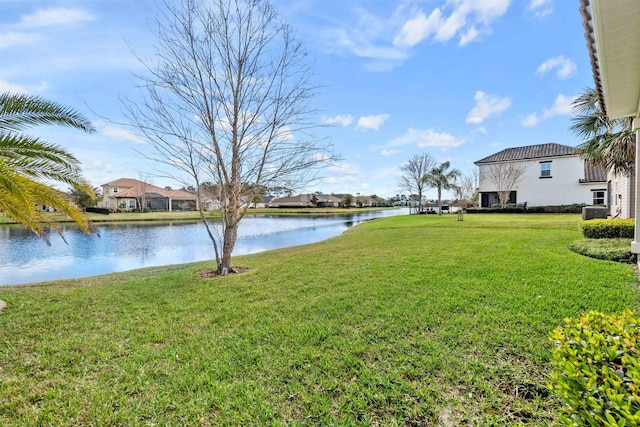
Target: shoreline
195	216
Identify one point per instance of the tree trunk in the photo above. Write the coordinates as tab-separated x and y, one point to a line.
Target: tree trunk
232	220
230	236
439	200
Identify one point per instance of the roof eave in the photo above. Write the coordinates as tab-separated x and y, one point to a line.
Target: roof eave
612	33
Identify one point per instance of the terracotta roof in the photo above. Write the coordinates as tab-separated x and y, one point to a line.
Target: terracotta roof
589	35
529	152
613	42
129	187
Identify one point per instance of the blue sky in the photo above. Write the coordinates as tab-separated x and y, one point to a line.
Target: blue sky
458	79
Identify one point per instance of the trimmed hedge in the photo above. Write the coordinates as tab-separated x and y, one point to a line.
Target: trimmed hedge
608	228
576	208
596	369
617	250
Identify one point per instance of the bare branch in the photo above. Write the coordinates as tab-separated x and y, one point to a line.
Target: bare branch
228	101
505	177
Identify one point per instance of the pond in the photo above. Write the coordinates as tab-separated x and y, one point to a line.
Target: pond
26	258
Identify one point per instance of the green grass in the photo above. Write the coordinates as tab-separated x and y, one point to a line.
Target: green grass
411	320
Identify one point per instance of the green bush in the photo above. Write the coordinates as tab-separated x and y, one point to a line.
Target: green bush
617	250
596	369
607	228
576	208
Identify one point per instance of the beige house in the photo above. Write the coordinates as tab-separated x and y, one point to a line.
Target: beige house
306	201
612	30
128	194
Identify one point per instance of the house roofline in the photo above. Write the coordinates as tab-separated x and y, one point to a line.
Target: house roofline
590	37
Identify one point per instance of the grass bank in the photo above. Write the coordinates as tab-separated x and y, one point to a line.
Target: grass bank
411	320
194	215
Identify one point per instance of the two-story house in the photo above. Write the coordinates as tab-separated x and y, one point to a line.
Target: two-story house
127	194
549	175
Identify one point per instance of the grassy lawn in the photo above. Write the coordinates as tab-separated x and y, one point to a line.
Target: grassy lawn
194	215
411	320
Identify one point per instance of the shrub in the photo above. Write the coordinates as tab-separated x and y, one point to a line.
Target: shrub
576	208
617	250
596	369
607	228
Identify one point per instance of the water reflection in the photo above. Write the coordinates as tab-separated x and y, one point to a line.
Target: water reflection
26	258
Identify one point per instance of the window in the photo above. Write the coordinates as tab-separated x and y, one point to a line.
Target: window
545	169
132	204
598	197
114	190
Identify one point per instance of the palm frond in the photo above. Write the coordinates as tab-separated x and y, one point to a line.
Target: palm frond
586	103
20	111
25	161
39	160
609	143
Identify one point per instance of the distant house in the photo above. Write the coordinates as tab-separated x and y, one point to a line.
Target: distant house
127	194
553	174
306	201
299	201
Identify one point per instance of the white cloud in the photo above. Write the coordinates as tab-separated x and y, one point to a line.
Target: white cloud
467	19
418	28
389	152
387	41
481	130
530	120
54	16
16	39
121	135
344	168
342	172
427	138
540	8
487	106
6	86
342	120
372	122
564	66
318	157
368	37
562	106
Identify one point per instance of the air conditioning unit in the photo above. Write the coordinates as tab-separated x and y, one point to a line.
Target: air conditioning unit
594	212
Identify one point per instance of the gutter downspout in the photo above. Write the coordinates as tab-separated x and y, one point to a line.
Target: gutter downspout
635	245
627	208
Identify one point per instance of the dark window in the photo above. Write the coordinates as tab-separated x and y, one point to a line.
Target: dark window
545	169
598	197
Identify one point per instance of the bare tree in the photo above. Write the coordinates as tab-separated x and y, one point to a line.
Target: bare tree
467	191
505	177
141	198
413	173
227	101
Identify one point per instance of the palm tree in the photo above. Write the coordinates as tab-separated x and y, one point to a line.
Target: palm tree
440	179
27	164
610	143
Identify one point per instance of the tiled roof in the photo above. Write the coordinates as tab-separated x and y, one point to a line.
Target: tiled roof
131	188
539	151
594	173
589	35
300	198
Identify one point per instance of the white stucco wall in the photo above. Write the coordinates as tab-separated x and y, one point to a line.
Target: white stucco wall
562	188
622	196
